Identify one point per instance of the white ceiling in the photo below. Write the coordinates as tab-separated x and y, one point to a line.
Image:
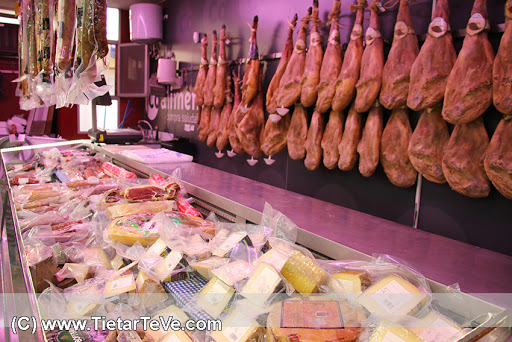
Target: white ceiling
123	4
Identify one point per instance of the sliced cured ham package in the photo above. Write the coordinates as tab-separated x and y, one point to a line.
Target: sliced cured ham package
469	89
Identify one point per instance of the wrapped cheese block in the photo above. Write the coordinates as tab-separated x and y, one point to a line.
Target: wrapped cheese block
313	319
435	327
215	296
140	208
150	292
205	267
393	295
303	273
263	283
393	333
353	282
237	328
132	229
171	312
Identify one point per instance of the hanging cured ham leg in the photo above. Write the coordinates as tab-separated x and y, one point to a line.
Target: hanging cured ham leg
223	132
249	129
351	67
204	123
469	89
332	138
370	80
201	74
273	87
403	53
502	69
393	149
213	128
434	63
297	133
369	146
350	139
498	158
274	135
289	87
211	77
463	160
427	145
311	76
219	92
252	79
314	142
236	145
331	65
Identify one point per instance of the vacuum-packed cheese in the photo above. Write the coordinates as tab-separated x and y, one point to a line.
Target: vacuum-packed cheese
435	327
262	284
215	296
233	272
237	328
303	273
205	267
394	334
352	282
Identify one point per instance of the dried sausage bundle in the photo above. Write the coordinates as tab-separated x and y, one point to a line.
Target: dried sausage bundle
66	16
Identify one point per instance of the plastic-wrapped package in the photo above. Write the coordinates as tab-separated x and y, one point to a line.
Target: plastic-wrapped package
77	271
282	226
238	327
121	210
214	298
66	16
100	27
240	266
434	327
42	266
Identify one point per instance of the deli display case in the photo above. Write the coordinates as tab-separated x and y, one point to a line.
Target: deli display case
332	234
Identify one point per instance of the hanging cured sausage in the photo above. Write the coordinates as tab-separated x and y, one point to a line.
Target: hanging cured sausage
393	149
427	145
314	56
434	63
351	67
463	160
469	89
372	64
403	53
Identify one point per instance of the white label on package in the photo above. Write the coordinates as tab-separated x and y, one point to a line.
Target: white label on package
265	281
347	285
393	296
172	260
121	283
390	337
156	249
217	292
439	331
228	245
234	334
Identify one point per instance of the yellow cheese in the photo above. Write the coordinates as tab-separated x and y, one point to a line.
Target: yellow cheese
261	285
79	271
79	309
120	285
117	262
352	282
227	245
435	327
150	292
303	273
233	272
237	328
393	295
394	334
163	315
204	267
196	247
274	258
215	296
96	256
176	336
168	264
156	249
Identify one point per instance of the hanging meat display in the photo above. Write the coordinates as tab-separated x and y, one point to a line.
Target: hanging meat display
213	127
332	139
66	16
372	64
274	134
427	144
311	75
502	69
430	71
498	158
463	160
314	142
201	74
297	133
393	149
351	67
403	53
211	76
350	140
249	129
273	87
469	89
204	123
369	146
234	142
289	87
223	131
250	85
331	65
219	92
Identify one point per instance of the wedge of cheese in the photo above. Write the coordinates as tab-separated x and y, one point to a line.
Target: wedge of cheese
393	295
274	258
237	328
96	256
352	282
303	273
164	269
176	336
163	316
227	245
215	296
157	249
120	285
150	292
117	262
79	271
196	247
78	309
435	327
205	267
262	284
394	334
233	272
